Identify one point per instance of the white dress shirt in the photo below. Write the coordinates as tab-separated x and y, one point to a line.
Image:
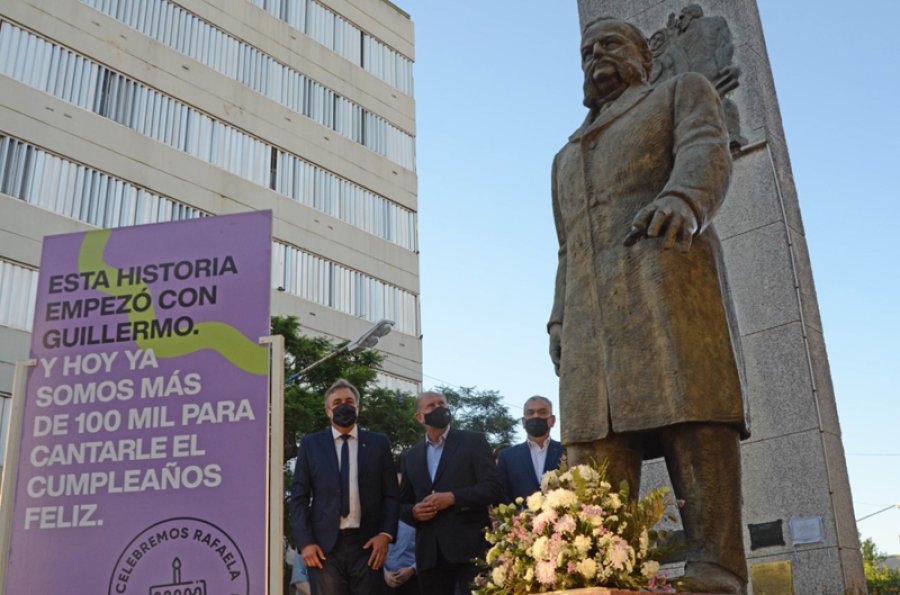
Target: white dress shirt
352	520
538	457
433	452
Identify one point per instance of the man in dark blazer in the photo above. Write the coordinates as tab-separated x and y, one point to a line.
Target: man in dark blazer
449	482
522	466
344	500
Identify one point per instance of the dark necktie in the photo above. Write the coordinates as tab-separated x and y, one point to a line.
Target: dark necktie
345	475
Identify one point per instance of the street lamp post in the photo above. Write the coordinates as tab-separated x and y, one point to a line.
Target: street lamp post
366	340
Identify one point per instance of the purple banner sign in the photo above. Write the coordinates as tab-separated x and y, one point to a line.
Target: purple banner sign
143	460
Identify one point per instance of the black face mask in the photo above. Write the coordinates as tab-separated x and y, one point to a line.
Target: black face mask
344	415
537	426
439	418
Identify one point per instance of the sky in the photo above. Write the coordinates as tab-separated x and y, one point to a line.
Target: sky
498	91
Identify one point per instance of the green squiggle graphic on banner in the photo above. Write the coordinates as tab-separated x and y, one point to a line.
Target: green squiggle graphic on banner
224	338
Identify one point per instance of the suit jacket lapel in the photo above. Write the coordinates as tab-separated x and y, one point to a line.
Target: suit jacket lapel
450	445
362	456
630	98
331	458
528	465
554	452
418	457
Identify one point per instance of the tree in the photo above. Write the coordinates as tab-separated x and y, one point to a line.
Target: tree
304	407
391	413
481	411
880	579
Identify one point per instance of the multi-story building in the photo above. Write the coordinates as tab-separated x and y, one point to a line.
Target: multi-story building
124	112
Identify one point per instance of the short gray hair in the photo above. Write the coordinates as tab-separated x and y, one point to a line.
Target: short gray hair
426	394
538	398
339	384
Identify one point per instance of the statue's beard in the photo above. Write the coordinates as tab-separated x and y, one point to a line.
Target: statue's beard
606	88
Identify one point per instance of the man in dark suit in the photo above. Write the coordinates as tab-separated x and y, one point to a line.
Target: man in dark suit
344	500
522	466
449	481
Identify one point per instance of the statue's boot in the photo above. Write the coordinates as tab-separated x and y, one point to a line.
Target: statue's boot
704	465
701	577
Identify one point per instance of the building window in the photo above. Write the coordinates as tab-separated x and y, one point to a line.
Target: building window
18	292
396	383
297	272
345	39
80	192
5	412
186	33
344	200
326	283
40	64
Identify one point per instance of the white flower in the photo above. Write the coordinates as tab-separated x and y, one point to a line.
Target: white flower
587	568
540	548
549	480
529	575
582	544
650	568
644	542
535	501
615	503
498	575
587	473
560	498
492	554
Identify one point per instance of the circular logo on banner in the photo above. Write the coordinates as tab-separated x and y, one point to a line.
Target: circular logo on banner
182	555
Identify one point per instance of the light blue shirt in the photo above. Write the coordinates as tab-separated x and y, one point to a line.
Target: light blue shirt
433	452
402	553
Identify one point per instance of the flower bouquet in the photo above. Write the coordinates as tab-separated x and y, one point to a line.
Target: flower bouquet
576	532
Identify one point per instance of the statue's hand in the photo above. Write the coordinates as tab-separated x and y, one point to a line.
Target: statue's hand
555	331
669	215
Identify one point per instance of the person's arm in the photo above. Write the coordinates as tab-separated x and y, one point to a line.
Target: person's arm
554	326
390	493
407	495
301	492
504	471
700	172
389	509
487	489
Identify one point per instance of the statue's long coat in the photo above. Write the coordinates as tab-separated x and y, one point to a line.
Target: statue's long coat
646	338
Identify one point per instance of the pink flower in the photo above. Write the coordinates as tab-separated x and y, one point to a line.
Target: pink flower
545	572
591	510
565	524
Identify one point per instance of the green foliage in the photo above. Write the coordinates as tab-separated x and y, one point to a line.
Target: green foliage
304	407
880	579
392	413
481	411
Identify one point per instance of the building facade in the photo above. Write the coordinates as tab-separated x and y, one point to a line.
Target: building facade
125	112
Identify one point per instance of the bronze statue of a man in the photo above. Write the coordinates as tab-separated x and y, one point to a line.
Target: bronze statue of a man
640	333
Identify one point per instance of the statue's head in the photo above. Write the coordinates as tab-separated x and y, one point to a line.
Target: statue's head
614	56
